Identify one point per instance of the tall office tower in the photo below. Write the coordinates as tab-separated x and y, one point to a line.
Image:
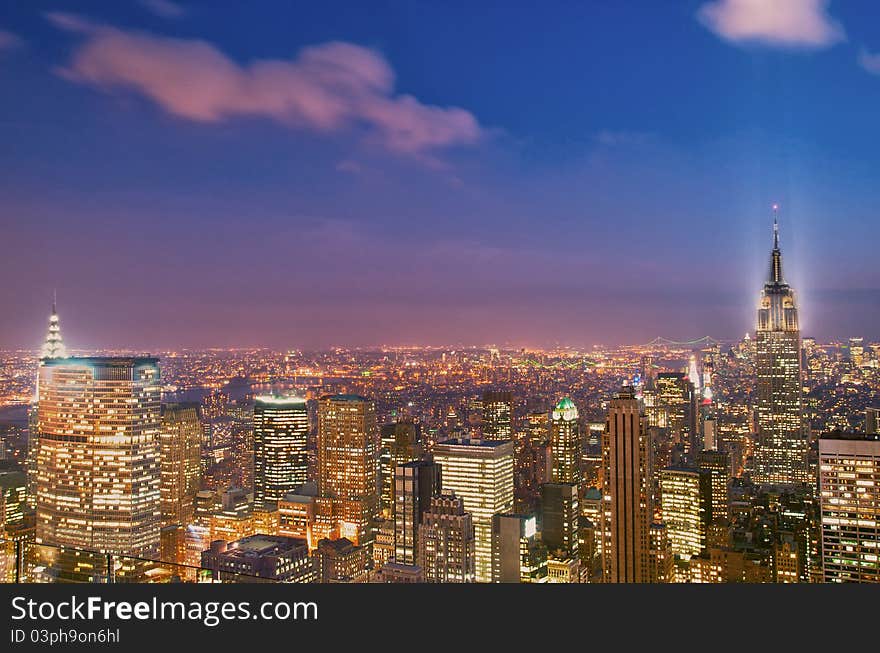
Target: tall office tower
781	451
648	372
348	451
849	476
559	519
686	503
281	429
717	463
565	438
675	408
415	484
401	442
446	542
180	445
481	473
98	464
872	420
627	501
856	351
497	416
533	461
518	555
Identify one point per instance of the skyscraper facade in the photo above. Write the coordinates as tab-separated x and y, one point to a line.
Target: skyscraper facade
348	448
180	443
481	473
565	439
686	504
446	542
518	555
497	416
400	443
781	451
849	476
717	463
627	502
416	484
281	431
98	468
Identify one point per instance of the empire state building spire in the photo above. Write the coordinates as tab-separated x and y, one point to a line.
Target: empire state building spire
53	347
776	255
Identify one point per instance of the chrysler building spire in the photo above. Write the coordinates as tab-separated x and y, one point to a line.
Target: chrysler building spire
54	347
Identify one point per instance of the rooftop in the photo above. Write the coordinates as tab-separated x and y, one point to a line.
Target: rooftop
344	398
473	442
101	361
849	435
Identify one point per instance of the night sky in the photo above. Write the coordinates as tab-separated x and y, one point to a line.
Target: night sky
299	175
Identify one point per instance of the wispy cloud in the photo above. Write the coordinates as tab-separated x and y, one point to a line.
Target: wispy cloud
9	41
164	8
326	87
870	61
802	24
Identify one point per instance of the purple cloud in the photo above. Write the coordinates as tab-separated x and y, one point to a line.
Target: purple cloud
9	41
326	87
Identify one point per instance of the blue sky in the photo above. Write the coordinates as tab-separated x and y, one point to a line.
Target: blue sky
301	175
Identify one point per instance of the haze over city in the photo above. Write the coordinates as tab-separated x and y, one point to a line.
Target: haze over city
207	175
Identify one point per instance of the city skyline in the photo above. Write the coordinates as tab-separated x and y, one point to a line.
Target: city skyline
426	200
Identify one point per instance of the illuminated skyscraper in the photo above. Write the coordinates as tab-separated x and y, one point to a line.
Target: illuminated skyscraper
686	503
481	473
856	351
849	480
565	438
281	431
518	555
180	441
627	502
717	463
446	542
781	451
497	416
348	447
98	469
559	522
415	484
675	408
400	443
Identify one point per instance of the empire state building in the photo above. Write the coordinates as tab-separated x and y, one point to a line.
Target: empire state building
781	452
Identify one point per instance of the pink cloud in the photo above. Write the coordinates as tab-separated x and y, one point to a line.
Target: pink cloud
785	23
9	41
326	87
